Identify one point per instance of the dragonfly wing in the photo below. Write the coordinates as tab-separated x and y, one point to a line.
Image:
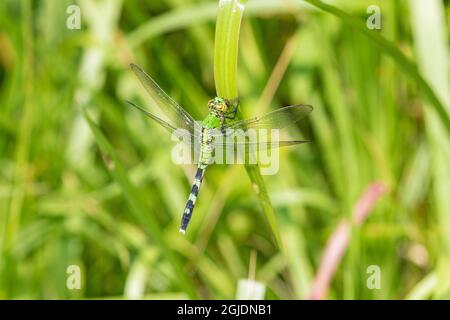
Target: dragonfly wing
178	117
249	152
187	136
163	123
257	146
274	120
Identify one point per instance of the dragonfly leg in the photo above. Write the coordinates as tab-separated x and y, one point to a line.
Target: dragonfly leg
231	115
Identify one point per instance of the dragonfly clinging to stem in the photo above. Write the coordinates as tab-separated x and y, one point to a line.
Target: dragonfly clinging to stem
215	124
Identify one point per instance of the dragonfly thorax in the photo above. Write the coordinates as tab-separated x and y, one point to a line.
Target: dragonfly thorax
213	120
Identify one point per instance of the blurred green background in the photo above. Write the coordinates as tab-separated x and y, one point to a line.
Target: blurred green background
65	202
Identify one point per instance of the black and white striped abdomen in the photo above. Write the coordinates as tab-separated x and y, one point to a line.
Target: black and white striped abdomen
190	204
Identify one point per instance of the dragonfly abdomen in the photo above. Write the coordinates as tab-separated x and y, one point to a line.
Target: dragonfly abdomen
190	204
207	148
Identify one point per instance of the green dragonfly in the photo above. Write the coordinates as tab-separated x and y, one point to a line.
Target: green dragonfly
213	127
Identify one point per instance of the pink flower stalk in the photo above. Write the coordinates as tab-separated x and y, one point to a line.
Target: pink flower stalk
338	242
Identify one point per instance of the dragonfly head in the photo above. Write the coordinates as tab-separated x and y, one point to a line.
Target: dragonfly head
219	104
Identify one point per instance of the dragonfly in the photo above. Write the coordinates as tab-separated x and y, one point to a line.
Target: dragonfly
217	124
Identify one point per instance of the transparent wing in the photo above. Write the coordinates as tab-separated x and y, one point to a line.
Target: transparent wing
249	152
256	146
181	133
177	116
247	139
163	123
274	120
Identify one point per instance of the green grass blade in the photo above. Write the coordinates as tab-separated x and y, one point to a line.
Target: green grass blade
424	288
137	206
225	68
428	25
261	191
389	48
193	14
226	47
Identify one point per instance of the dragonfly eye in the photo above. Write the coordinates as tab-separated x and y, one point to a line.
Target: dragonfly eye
222	107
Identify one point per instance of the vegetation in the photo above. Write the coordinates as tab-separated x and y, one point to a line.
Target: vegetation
87	181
